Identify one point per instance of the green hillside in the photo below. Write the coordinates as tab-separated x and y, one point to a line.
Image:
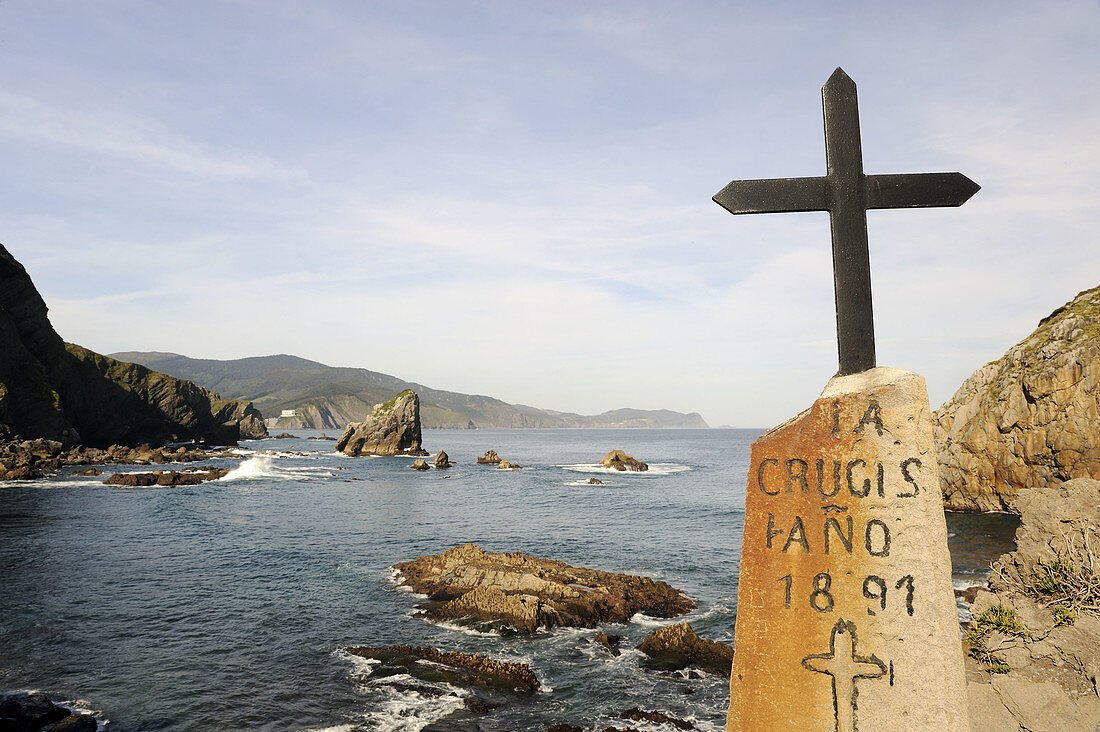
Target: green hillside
328	397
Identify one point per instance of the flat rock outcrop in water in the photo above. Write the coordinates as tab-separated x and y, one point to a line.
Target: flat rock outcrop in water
1028	419
619	460
191	476
393	428
429	664
519	593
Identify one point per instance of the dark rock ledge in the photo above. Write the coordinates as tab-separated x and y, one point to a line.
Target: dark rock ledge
34	712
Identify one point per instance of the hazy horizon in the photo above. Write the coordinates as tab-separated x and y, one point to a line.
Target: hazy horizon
514	199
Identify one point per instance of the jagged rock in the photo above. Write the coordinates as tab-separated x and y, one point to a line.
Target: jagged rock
595	481
392	429
489	458
1058	523
451	667
505	465
1028	419
21	710
192	476
420	464
619	460
442	460
288	436
675	647
522	593
610	642
1039	628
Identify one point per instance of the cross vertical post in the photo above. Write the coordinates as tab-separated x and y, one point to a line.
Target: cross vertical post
855	328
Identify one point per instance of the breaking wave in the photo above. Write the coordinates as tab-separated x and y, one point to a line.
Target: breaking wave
265	467
654	469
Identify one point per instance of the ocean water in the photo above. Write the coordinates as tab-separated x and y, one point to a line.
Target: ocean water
225	606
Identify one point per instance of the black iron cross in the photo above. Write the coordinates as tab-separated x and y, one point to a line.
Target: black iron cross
846	193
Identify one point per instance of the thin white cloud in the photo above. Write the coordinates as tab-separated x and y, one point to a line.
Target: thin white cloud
128	137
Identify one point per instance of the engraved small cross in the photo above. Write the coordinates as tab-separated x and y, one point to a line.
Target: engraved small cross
842	663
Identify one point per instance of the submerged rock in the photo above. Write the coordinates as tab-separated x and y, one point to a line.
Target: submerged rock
463	669
675	647
519	593
1028	419
505	465
595	481
393	428
489	458
619	460
442	460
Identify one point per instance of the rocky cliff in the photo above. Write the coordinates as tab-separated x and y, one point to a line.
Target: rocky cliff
58	391
1029	419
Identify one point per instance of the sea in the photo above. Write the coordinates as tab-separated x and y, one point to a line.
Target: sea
227	605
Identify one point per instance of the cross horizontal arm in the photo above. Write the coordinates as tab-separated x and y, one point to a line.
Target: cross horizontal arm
775	195
918	190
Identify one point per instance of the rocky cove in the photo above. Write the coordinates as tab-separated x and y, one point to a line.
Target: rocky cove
584	601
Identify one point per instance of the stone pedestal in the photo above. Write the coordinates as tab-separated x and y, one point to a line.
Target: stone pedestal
846	616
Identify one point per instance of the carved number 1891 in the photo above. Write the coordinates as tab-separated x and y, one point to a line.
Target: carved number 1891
874	588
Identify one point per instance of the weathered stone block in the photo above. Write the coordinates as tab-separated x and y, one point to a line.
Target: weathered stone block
846	617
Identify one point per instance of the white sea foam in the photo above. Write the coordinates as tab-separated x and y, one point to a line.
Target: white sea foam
584	481
448	625
722	606
265	467
649	621
654	469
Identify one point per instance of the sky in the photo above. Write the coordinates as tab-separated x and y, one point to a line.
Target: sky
514	198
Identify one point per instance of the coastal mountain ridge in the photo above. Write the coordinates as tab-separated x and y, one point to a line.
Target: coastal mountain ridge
330	397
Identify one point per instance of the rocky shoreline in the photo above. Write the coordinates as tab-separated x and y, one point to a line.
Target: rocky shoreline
35	459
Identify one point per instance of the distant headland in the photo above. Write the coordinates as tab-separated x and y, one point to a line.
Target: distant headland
296	393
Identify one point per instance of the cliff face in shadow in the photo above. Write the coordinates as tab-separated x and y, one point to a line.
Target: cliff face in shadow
67	393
